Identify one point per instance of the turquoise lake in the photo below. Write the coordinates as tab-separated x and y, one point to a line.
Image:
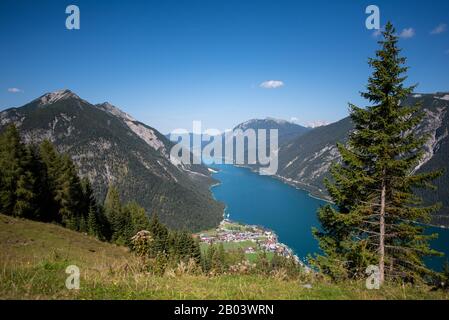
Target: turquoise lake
289	212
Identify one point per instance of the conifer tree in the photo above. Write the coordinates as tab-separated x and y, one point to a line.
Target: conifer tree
51	160
45	209
93	227
195	250
17	183
97	222
218	259
183	246
26	199
139	218
88	199
133	219
69	193
113	211
208	258
39	183
50	171
11	150
376	214
160	235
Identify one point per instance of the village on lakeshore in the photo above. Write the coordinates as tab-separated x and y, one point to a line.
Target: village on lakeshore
251	238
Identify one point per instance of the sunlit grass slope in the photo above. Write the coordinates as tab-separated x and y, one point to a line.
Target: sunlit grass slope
34	256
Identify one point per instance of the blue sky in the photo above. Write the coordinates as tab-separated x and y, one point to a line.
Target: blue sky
170	62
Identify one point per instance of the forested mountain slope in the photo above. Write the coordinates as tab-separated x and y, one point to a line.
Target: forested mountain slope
111	147
305	161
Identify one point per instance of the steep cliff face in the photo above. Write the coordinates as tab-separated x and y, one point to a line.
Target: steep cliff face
110	146
437	153
305	161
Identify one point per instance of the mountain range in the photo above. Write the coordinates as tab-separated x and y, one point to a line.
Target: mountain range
304	161
287	131
111	147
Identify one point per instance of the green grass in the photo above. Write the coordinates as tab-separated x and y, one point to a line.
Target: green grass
229	246
33	258
252	257
236	245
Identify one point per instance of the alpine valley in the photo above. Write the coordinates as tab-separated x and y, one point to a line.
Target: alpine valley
306	155
111	147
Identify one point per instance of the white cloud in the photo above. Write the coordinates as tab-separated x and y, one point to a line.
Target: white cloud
294	119
378	32
14	90
439	29
407	33
272	84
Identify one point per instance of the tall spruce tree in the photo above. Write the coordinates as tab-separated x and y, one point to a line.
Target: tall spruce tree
113	210
51	167
26	199
41	184
134	219
93	225
96	222
160	234
17	181
376	215
138	217
45	208
68	194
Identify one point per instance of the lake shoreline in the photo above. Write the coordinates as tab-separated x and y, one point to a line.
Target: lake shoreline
300	258
307	188
252	199
226	218
295	184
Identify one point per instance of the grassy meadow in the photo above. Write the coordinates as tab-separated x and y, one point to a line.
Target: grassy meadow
34	256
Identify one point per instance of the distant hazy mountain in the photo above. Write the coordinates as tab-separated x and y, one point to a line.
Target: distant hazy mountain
187	142
109	146
305	161
317	123
286	130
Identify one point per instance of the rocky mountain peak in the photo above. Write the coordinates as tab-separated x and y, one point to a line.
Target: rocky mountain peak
108	107
276	120
110	147
55	96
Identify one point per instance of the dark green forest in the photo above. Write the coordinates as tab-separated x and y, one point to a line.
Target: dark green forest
105	149
39	183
